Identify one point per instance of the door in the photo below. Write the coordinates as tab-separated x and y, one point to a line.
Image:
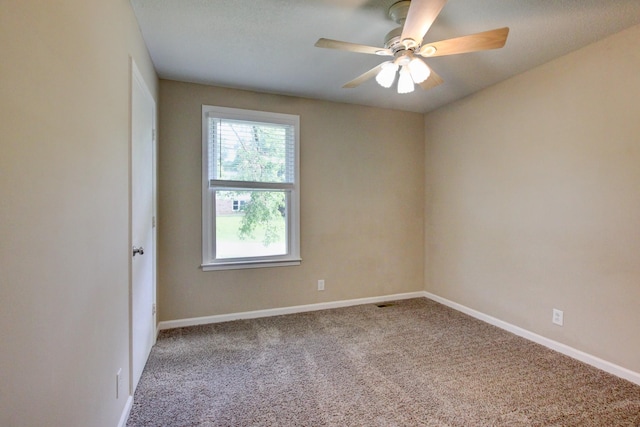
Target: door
143	253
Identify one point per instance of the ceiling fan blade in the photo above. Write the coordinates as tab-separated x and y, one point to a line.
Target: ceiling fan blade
421	15
352	47
433	81
493	39
364	77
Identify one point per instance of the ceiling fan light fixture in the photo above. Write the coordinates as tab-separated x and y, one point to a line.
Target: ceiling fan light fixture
387	75
419	70
405	82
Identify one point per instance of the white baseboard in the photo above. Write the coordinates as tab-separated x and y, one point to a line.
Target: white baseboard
125	412
170	324
604	365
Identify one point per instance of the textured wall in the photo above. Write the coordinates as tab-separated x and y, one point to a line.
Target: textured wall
64	215
362	202
533	199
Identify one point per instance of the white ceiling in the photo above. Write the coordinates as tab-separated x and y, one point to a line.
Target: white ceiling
268	45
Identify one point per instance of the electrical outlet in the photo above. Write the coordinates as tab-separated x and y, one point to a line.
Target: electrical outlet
321	285
558	317
118	380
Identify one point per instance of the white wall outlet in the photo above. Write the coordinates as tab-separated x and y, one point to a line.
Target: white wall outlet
558	317
321	285
118	381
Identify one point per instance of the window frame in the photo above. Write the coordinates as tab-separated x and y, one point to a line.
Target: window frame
292	257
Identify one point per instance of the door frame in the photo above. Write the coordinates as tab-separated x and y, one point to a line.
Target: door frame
136	78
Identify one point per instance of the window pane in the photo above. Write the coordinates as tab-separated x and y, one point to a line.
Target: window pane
251	151
250	223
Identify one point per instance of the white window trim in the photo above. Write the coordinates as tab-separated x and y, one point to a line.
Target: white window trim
209	262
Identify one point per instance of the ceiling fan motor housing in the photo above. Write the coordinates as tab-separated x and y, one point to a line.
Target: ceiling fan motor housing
393	42
398	13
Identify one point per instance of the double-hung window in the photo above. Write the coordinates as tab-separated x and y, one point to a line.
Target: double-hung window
250	189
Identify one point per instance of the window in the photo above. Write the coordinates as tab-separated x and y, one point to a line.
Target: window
238	205
250	189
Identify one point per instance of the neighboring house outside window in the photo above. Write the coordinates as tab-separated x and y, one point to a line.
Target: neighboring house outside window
230	206
250	189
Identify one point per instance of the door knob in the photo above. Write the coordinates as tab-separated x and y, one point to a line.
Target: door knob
139	250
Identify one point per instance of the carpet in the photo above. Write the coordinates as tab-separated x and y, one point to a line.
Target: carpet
410	363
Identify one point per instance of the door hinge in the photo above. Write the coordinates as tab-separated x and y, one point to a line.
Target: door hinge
153	132
153	221
153	309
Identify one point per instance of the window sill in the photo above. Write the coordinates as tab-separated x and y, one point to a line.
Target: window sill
240	265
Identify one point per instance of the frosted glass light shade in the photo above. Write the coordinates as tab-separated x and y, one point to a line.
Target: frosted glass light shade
405	83
419	70
387	75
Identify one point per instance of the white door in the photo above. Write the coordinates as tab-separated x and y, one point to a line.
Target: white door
143	322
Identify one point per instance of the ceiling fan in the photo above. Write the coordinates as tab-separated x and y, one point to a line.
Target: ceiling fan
405	44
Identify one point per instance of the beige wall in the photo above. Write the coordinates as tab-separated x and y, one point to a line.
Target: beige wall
362	202
64	215
533	200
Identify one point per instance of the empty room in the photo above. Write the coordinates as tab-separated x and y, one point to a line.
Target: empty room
320	212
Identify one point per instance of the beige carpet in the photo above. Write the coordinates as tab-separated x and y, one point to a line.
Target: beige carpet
413	363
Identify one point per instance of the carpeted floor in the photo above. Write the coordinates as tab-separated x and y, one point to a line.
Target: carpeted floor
412	363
